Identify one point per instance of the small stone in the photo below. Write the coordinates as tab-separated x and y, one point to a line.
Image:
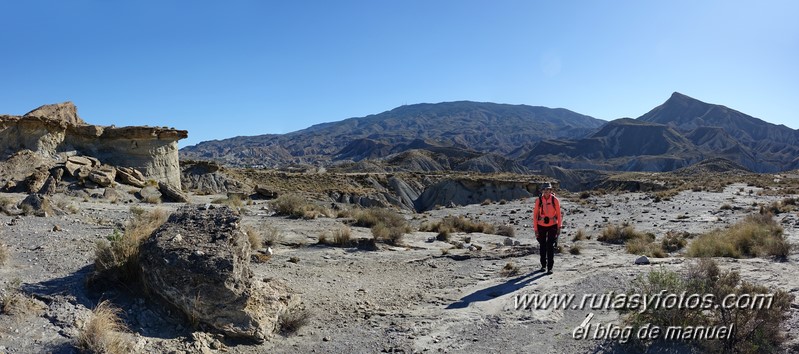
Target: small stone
326	339
642	260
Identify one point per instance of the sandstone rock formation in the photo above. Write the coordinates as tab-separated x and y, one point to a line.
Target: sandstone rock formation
104	175
172	193
208	177
56	132
472	191
130	176
65	111
198	261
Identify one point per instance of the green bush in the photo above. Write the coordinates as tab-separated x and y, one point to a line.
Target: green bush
756	329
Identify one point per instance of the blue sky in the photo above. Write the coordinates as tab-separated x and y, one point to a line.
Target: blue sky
227	68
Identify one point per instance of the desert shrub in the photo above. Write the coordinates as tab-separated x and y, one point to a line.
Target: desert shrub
104	332
151	199
232	200
644	246
621	234
579	235
506	230
373	216
575	249
117	257
271	235
290	321
255	237
459	224
387	225
486	202
757	329
386	233
585	195
726	206
674	241
783	206
757	235
341	237
295	206
443	235
14	302
665	195
510	269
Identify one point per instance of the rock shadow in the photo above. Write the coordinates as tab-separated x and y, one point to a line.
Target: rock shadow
142	315
496	290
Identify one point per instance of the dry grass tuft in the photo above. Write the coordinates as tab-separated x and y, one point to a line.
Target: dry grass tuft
295	206
104	332
4	254
459	224
255	237
444	235
14	303
757	235
232	200
271	235
342	237
622	234
386	224
635	242
579	235
510	269
674	241
117	257
575	249
289	322
645	246
506	230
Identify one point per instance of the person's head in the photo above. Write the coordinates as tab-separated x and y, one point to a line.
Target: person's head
546	188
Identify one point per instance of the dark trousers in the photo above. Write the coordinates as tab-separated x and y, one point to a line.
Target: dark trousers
547	237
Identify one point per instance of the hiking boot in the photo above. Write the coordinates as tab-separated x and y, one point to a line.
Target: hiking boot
542	269
549	271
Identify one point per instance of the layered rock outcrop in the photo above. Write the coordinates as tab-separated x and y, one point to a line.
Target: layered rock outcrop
472	191
56	131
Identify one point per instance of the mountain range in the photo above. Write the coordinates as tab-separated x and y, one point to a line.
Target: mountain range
491	137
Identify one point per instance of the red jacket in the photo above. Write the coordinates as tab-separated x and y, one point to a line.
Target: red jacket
550	208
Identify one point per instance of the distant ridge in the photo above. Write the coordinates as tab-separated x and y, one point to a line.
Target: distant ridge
463	125
680	132
480	137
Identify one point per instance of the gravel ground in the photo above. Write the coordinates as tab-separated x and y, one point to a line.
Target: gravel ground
425	296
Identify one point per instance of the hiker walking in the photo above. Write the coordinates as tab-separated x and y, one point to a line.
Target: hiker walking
547	221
